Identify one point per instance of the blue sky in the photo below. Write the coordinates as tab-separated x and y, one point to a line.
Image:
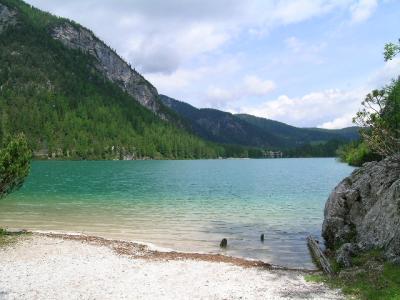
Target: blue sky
306	62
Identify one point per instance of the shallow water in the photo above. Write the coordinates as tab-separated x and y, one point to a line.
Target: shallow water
183	205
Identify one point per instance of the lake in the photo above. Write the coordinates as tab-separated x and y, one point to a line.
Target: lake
183	205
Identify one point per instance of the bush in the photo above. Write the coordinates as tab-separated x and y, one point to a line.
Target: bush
14	164
356	153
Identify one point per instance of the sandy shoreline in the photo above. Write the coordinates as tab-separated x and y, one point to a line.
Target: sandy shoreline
65	266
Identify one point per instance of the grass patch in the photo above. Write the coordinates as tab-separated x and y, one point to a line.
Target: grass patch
7	238
371	278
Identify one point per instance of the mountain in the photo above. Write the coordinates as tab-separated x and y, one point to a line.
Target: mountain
73	96
301	135
222	127
248	130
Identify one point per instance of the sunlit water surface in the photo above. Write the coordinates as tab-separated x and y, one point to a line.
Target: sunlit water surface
183	205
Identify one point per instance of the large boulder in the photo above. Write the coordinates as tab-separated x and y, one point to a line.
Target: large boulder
364	209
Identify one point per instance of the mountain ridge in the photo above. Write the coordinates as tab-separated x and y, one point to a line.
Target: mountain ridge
252	130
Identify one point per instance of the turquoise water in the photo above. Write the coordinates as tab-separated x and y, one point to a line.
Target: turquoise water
183	205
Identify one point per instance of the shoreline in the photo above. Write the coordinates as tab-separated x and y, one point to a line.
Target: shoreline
187	159
148	251
70	266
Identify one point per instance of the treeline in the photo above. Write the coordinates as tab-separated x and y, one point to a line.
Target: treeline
325	149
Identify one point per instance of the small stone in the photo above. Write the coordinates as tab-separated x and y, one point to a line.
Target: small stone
223	243
262	237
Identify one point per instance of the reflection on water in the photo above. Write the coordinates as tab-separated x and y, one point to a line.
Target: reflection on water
183	205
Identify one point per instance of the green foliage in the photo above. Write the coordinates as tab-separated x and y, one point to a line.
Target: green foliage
391	50
321	149
14	164
371	278
7	238
380	120
380	117
356	153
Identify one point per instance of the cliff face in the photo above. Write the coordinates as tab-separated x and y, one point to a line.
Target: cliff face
7	17
364	210
110	64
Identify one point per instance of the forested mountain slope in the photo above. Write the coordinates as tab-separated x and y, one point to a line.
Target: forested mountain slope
242	129
301	135
74	97
223	127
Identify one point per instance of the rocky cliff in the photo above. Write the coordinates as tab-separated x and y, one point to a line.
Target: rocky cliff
110	64
7	17
363	211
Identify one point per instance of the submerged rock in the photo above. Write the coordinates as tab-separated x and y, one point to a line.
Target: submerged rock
223	243
364	209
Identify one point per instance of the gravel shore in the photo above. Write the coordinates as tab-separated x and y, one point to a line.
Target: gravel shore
58	267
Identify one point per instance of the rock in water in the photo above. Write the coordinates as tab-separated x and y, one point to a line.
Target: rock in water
365	209
223	243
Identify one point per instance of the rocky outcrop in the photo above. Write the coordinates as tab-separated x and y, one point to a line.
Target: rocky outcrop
364	210
7	17
110	64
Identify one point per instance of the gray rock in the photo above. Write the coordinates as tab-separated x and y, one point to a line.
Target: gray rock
110	64
7	17
344	254
365	209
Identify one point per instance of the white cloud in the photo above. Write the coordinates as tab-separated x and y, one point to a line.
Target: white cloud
166	51
258	87
294	44
304	52
160	36
389	71
183	78
339	122
251	86
298	46
288	12
218	97
362	10
332	108
312	108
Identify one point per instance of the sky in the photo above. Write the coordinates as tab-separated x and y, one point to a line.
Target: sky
308	63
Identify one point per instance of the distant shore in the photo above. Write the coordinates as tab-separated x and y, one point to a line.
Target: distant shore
65	266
